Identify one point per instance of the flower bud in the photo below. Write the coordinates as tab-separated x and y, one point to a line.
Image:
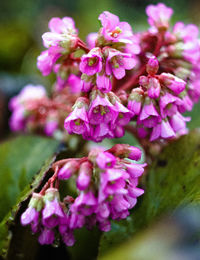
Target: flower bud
68	170
152	66
84	176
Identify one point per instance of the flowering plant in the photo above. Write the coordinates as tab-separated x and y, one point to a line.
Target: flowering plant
118	81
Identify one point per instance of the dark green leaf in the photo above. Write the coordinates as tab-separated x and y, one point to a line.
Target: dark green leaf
20	161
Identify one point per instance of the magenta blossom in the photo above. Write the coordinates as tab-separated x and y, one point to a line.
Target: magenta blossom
91	62
77	121
159	15
172	82
52	211
62	31
162	130
113	30
47	59
117	62
149	116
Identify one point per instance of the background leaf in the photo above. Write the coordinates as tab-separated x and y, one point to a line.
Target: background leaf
20	160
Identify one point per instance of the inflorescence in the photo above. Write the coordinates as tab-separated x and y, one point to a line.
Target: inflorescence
119	80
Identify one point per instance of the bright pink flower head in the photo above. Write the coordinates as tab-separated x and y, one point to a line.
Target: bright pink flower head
91	63
113	30
77	121
117	62
63	32
159	15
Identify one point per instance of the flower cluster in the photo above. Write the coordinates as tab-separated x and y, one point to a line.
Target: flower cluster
34	111
146	79
157	104
106	187
150	78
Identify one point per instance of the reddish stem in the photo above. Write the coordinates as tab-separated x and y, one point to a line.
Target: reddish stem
133	80
50	182
64	161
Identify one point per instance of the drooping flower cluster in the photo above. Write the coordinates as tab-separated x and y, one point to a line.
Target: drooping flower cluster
150	78
106	186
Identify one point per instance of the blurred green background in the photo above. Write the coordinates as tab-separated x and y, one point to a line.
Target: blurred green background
22	22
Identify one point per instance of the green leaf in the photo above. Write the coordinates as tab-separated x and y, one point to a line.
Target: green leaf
20	161
172	180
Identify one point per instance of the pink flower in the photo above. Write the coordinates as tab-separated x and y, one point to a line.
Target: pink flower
52	211
149	117
84	204
168	105
91	63
62	31
117	62
17	120
178	123
113	30
105	160
187	32
46	237
68	170
77	122
153	88
47	59
91	40
84	176
104	83
135	101
159	15
68	238
162	130
101	110
172	82
29	216
152	66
